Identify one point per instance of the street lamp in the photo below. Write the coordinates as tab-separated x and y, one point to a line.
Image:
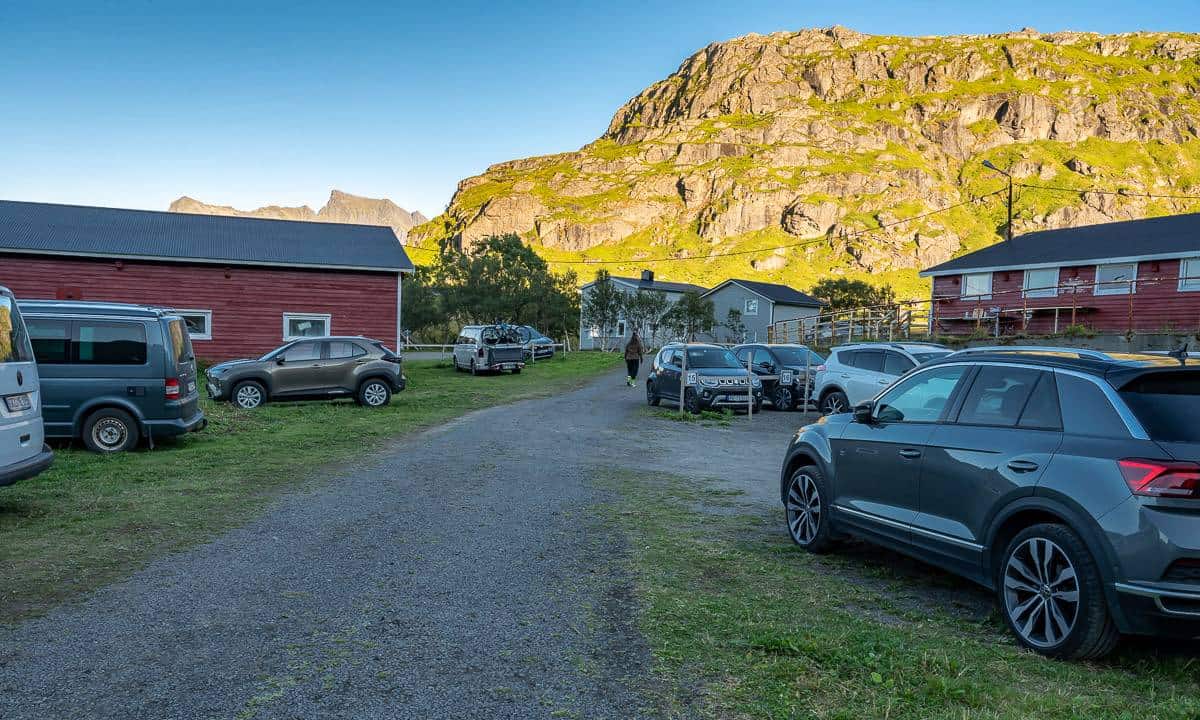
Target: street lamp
1008	228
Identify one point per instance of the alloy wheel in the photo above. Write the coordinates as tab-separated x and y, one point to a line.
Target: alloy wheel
803	509
375	394
248	397
783	399
109	433
833	404
1041	592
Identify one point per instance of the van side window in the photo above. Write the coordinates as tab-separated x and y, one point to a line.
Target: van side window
1086	410
109	343
51	340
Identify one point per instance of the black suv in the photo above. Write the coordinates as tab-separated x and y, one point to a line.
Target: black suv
714	378
1068	481
782	369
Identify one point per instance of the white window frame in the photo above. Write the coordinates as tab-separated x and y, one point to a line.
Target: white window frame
1123	287
1189	280
206	314
1043	289
750	303
324	317
976	296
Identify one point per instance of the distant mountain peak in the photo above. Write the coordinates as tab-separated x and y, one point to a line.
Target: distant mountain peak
342	207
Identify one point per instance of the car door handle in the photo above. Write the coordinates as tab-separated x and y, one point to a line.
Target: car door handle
1022	466
885	382
910	453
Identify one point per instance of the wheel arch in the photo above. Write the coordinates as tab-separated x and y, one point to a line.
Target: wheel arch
261	378
103	403
800	455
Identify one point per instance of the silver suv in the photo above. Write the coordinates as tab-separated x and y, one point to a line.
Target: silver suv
856	373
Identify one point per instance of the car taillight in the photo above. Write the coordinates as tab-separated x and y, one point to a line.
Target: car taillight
1160	478
172	391
481	352
819	368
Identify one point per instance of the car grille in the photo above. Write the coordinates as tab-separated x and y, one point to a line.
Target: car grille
1184	571
728	381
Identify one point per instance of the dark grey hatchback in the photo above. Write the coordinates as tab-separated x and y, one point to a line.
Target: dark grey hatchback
1067	481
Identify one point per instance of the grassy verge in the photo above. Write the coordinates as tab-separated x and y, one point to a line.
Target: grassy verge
91	519
744	625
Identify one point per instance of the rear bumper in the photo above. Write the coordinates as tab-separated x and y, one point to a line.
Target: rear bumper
27	468
512	365
176	426
1162	609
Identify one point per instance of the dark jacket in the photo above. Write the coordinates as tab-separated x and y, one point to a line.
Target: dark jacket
634	349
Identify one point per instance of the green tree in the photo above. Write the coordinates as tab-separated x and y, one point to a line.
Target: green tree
602	305
424	311
644	309
733	323
843	294
690	316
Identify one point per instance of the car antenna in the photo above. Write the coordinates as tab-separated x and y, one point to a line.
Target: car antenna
1180	353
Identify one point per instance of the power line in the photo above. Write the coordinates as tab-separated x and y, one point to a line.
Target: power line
803	243
1124	193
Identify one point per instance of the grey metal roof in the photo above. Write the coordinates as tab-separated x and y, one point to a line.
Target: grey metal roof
676	287
778	294
1167	236
44	228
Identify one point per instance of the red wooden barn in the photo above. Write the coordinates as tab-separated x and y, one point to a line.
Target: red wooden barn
245	285
1137	275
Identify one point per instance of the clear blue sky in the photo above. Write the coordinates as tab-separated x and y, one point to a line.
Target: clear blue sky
132	104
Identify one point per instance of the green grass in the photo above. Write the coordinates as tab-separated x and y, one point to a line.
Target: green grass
92	519
743	624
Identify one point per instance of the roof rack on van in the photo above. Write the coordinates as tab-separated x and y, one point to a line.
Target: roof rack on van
1083	353
94	308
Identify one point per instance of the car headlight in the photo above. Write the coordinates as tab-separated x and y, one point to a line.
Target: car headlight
709	381
755	381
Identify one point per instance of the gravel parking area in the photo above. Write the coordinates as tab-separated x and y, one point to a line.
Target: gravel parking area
459	574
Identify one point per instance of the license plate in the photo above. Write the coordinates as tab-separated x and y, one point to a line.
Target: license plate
787	378
18	403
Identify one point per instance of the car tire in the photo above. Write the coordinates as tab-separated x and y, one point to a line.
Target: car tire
834	402
516	371
652	398
783	398
373	393
758	406
691	401
248	395
1051	595
110	430
806	510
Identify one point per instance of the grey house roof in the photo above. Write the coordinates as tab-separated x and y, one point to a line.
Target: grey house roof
675	287
1170	236
778	294
48	229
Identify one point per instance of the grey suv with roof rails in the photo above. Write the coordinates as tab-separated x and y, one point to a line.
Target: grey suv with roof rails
311	368
1067	481
113	374
711	376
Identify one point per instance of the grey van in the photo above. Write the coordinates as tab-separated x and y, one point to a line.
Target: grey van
485	348
113	374
23	453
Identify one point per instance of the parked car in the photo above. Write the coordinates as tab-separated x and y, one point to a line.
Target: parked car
714	378
781	368
486	348
311	369
854	373
23	451
1066	481
537	345
113	374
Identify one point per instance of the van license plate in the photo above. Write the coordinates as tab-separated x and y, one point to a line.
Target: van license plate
18	403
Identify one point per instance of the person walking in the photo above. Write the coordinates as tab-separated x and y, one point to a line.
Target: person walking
633	358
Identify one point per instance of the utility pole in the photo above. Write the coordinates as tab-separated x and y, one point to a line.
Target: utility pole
1008	229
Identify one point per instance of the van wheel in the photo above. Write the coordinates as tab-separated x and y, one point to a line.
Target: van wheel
474	370
109	431
516	371
374	394
1052	596
249	394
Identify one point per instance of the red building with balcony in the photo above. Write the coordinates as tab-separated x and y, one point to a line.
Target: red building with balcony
245	285
1138	275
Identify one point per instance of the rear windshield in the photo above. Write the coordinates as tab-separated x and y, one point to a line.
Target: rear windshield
14	341
181	341
1167	404
711	358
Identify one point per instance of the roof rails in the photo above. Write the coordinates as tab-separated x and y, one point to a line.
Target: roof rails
1083	353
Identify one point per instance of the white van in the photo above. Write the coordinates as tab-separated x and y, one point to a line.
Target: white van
23	451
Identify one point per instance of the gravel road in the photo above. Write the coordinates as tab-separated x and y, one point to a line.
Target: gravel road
461	573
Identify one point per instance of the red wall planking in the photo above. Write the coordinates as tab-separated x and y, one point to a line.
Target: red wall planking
1158	304
247	302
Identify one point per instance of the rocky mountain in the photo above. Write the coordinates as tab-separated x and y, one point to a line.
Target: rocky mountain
816	139
341	208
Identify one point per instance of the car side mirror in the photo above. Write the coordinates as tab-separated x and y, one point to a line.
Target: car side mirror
280	360
765	365
865	412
